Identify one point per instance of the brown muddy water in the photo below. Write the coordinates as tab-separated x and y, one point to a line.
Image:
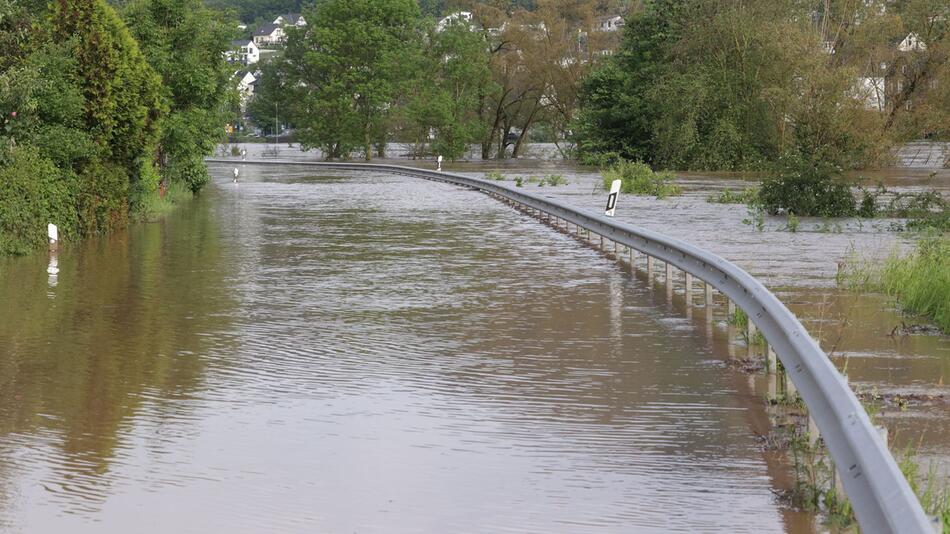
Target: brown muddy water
315	352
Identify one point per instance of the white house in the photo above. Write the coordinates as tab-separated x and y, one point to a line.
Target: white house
612	23
290	19
912	43
244	51
464	17
245	88
269	34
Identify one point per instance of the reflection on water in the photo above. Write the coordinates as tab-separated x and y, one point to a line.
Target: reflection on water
366	353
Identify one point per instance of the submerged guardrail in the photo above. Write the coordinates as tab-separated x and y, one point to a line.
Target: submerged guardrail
883	501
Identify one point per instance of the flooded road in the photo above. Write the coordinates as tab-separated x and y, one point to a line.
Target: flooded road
303	352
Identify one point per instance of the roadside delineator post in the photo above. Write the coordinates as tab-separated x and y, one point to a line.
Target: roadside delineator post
440	164
53	269
689	289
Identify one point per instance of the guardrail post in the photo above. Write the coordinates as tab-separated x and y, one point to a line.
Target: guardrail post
750	330
709	295
813	433
731	308
770	360
649	267
689	289
791	391
669	273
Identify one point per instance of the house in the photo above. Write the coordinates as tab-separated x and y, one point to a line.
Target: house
290	19
460	17
610	23
243	51
245	88
269	34
912	43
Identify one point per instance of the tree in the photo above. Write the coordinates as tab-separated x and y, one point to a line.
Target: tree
444	96
123	107
185	43
347	69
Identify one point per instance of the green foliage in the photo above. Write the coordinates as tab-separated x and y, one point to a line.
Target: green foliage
792	223
806	189
733	92
921	281
347	70
494	175
639	179
749	195
519	182
34	192
554	180
444	96
755	216
185	43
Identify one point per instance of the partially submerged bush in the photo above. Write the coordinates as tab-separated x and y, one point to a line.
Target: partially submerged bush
638	178
806	189
34	193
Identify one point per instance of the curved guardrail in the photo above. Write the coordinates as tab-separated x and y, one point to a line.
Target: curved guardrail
883	501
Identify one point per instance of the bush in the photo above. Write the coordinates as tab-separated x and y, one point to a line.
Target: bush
807	190
639	179
34	193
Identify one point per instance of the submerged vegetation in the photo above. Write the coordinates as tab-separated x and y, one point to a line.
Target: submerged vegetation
637	178
919	281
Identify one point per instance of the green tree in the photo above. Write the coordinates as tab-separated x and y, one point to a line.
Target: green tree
123	107
348	68
444	97
185	43
615	113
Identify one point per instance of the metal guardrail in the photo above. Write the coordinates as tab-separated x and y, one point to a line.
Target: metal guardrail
883	501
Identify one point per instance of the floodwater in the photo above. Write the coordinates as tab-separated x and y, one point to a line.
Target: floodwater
356	352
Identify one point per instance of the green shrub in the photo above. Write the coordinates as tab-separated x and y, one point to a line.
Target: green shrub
494	175
34	193
638	178
807	190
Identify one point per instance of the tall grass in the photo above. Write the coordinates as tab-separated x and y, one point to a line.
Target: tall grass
638	178
921	281
155	207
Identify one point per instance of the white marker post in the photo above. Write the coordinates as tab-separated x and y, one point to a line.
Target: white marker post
440	164
53	233
53	270
612	198
236	173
